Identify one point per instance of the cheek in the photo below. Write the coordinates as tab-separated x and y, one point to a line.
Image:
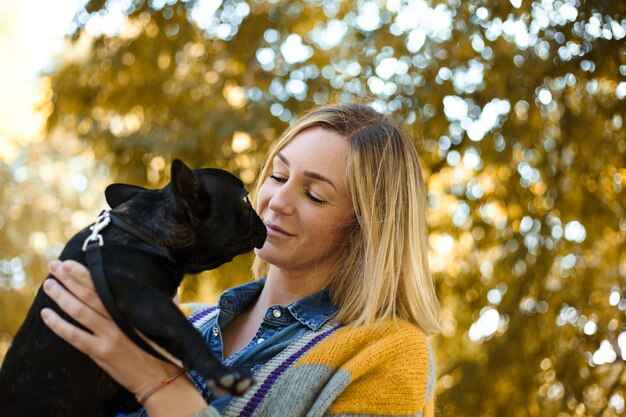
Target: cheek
329	231
263	198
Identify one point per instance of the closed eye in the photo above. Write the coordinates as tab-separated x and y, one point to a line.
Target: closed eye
310	196
315	200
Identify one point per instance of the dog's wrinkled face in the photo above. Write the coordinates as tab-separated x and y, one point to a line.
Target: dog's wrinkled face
228	225
209	219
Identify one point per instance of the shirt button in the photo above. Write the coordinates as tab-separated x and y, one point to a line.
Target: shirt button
216	331
277	313
261	340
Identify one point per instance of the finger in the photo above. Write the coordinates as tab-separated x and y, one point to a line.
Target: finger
74	307
77	279
80	339
75	269
91	319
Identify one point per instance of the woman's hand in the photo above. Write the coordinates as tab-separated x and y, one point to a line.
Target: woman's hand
107	345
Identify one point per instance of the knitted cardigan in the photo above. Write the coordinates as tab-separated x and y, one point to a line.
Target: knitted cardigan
385	369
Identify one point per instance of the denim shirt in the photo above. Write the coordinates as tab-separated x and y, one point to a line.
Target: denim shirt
281	326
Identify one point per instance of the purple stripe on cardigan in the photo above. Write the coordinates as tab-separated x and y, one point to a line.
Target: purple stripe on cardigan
196	317
278	371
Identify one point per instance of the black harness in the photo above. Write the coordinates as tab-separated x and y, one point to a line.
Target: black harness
93	252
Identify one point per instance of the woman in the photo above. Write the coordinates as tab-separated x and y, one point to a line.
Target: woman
336	322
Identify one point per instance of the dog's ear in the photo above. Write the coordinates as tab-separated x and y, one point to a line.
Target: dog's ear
185	183
119	193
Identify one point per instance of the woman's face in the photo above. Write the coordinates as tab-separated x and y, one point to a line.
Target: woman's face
305	202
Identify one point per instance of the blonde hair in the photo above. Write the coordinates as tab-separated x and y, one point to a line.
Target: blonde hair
384	273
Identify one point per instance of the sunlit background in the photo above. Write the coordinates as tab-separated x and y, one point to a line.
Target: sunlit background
517	109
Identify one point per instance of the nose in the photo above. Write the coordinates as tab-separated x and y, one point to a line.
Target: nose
282	200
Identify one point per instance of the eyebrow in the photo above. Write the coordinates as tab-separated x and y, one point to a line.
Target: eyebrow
309	174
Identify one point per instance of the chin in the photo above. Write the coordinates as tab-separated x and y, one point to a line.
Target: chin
265	254
273	256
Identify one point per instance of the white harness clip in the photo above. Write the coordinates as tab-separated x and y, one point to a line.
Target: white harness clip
102	221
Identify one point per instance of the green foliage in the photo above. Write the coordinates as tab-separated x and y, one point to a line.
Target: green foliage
518	113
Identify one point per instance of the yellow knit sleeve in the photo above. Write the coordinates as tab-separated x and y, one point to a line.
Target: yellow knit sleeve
388	369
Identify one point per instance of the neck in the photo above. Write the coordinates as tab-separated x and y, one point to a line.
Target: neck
285	287
153	216
139	216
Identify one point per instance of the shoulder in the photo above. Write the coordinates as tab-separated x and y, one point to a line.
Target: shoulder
388	366
391	340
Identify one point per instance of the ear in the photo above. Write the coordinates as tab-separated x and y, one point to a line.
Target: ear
117	194
184	183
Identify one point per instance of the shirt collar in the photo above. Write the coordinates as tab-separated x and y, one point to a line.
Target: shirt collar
312	311
236	299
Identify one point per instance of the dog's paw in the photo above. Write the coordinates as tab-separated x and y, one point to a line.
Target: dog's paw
216	389
243	385
234	384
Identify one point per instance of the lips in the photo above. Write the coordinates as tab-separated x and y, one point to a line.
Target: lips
275	230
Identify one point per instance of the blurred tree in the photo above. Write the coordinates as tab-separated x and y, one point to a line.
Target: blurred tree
44	196
519	106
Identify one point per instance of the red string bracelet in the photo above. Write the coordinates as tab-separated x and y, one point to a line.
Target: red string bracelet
142	398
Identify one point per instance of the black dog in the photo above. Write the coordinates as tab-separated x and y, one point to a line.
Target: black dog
199	221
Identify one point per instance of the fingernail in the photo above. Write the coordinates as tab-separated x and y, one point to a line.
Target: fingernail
54	265
45	313
48	284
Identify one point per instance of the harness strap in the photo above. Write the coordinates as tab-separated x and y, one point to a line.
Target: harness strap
96	267
95	264
141	235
